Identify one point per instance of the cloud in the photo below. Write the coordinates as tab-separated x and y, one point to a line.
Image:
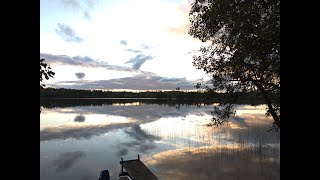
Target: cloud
145	81
86	61
86	15
76	60
144	46
180	30
139	60
67	33
67	160
80	75
80	118
81	5
72	3
123	42
80	61
134	51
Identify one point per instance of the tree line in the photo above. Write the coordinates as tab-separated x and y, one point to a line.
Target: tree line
83	93
194	95
177	103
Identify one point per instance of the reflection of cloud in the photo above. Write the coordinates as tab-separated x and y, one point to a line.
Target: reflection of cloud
257	119
67	33
142	146
80	118
216	163
122	152
143	141
131	143
141	114
140	135
145	148
237	122
80	75
67	160
255	134
139	60
62	133
136	114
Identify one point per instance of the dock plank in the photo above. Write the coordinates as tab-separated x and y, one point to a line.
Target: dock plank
137	170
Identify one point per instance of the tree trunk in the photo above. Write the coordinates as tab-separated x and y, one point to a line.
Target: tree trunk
271	109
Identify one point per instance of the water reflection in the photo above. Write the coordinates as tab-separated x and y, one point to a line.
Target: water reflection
80	118
77	132
142	141
67	160
77	142
137	133
215	163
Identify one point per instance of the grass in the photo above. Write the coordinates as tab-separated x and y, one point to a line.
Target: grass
224	153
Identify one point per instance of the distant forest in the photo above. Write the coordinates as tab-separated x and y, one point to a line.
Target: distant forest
203	96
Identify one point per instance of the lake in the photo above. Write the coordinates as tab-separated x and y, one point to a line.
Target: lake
79	138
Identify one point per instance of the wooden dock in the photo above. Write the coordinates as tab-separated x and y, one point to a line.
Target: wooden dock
136	170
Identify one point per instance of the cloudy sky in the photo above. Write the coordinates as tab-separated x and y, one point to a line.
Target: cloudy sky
123	44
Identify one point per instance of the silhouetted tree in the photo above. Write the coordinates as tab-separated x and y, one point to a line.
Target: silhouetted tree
45	72
244	54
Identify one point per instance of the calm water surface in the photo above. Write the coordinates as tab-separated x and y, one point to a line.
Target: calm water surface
78	140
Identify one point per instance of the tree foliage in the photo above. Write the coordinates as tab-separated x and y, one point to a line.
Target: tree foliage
45	72
244	53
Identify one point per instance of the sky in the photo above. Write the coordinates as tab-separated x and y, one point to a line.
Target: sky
119	45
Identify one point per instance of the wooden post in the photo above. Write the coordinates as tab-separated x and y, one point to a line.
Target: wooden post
121	165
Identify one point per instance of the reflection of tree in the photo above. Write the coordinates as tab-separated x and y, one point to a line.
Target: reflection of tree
53	103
